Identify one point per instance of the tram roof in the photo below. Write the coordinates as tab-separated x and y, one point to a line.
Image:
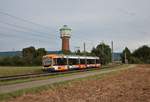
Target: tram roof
81	57
70	56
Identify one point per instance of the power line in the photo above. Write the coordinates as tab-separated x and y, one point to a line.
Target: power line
28	38
35	42
21	19
25	32
25	28
31	33
18	18
83	38
24	20
22	27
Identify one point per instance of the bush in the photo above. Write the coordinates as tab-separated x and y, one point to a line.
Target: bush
134	60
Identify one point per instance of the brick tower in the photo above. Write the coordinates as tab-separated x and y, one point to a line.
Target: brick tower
65	34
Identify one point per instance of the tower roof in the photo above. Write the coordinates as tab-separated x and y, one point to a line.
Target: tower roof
65	27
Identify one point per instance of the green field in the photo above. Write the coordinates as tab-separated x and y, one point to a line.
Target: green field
8	71
8	82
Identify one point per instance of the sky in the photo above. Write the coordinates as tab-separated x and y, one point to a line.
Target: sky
25	23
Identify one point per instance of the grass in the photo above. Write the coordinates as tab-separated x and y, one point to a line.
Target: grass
34	90
44	77
8	71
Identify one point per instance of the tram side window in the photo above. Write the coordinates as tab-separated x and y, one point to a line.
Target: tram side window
73	61
97	61
90	61
61	61
82	61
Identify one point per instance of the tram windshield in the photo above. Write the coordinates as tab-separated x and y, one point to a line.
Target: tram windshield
47	61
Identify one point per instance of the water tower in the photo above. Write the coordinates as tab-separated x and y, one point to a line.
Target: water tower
65	34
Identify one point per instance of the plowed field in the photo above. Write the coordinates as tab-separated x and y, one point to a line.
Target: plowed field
132	85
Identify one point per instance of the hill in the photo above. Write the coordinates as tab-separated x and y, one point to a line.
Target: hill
116	56
10	53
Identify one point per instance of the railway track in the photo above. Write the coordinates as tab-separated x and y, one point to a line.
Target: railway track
25	76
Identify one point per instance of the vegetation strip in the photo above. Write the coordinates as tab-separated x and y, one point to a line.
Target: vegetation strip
14	77
6	96
7	82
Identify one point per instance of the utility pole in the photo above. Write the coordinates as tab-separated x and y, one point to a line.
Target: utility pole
112	48
125	58
84	48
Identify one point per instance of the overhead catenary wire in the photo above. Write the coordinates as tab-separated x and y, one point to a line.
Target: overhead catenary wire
24	20
21	19
7	35
28	31
25	32
24	28
21	33
35	42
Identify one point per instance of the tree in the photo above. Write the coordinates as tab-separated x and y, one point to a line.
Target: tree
29	55
78	52
93	51
143	54
66	52
17	61
126	52
40	52
135	60
103	51
5	61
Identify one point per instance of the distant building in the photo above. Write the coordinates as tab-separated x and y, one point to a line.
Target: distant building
65	34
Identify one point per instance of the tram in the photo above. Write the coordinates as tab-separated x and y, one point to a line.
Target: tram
56	62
